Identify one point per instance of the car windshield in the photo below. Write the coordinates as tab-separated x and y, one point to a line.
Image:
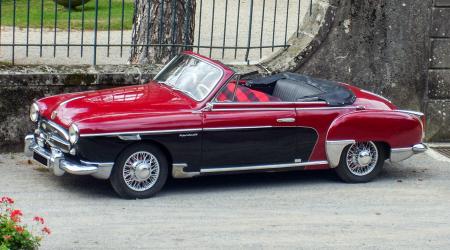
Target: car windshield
191	76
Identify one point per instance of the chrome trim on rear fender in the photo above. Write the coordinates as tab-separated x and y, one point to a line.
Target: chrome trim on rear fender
377	95
411	112
400	154
334	150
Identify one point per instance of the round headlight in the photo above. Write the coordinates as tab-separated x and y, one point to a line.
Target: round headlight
34	112
74	134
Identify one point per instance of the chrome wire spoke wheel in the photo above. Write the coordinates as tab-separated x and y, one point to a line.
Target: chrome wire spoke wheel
141	171
362	158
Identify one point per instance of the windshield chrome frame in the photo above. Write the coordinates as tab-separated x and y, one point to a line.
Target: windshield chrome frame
185	92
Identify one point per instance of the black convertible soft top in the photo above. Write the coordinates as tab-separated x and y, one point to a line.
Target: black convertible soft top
297	87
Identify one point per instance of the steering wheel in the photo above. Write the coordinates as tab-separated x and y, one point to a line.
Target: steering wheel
202	89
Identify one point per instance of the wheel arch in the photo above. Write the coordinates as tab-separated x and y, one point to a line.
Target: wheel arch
389	128
155	143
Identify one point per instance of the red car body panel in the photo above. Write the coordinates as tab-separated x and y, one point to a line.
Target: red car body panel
395	128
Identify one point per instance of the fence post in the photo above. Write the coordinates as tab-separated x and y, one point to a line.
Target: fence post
199	26
95	32
249	31
28	26
42	28
55	28
82	28
212	28
14	31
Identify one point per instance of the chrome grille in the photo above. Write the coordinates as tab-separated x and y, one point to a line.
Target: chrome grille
53	135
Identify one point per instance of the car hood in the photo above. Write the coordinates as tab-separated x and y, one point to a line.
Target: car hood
131	101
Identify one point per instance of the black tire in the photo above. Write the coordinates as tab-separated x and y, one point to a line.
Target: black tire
346	175
117	176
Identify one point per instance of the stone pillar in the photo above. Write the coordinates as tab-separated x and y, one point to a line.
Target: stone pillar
437	101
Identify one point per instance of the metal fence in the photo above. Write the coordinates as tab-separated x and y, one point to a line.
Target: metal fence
99	31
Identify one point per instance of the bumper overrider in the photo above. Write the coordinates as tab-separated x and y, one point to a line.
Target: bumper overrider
55	160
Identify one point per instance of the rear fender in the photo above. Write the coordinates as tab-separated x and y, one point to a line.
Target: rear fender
397	129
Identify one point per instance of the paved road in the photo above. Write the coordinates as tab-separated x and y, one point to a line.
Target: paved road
407	207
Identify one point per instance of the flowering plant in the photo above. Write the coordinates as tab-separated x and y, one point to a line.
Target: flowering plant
16	235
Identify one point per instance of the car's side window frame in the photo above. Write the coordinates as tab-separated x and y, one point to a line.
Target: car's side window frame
235	77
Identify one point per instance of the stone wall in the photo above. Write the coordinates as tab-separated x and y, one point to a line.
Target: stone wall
20	85
438	83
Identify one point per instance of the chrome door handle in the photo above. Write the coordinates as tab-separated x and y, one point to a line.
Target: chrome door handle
286	120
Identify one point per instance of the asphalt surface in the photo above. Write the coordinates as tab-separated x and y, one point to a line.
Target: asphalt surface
408	206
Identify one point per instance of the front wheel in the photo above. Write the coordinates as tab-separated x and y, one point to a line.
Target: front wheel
139	172
361	162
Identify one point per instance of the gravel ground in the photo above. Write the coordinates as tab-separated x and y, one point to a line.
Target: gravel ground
408	206
118	55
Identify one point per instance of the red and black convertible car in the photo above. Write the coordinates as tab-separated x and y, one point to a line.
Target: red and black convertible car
199	117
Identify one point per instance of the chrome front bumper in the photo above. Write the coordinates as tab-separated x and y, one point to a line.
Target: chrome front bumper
55	160
400	154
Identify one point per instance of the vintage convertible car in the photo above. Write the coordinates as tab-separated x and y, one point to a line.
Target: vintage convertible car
198	117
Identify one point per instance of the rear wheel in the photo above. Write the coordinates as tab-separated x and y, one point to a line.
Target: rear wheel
361	162
139	172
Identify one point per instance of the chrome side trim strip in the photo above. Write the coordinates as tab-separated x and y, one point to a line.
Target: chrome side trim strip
235	128
261	167
283	109
268	103
148	132
179	173
326	108
252	109
334	150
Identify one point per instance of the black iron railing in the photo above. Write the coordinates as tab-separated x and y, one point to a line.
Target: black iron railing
99	31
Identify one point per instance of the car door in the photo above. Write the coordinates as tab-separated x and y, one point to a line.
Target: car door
237	134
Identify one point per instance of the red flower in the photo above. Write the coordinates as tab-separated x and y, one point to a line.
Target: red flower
15	215
7	237
19	229
39	219
7	200
46	230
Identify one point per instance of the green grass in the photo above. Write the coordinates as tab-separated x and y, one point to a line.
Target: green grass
63	14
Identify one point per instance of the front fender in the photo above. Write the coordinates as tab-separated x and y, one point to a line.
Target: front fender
397	129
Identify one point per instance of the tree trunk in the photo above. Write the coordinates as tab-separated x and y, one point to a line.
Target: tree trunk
163	22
